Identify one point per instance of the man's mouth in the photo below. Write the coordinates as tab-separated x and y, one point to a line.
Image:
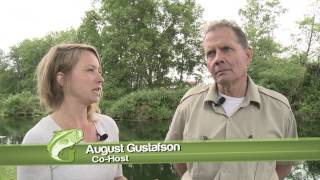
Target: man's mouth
221	71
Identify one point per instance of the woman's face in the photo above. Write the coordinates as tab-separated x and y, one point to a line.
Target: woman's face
85	80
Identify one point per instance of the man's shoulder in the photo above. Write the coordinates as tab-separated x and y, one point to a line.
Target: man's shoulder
195	91
274	95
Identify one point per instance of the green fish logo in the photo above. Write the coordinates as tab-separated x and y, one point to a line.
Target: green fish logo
62	140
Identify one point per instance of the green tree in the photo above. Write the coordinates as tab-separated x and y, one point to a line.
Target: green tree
7	76
259	19
281	75
146	40
186	46
88	32
308	113
25	57
307	41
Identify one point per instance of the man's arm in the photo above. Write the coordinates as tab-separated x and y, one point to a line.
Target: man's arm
283	170
176	133
180	168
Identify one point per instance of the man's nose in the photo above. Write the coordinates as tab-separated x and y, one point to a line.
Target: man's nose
219	57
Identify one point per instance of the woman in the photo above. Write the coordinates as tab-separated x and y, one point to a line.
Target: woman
70	86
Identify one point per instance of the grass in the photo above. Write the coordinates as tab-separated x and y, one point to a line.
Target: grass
8	173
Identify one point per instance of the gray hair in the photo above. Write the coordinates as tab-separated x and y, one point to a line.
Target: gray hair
241	36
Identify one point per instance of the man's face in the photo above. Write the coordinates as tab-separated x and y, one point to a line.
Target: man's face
227	60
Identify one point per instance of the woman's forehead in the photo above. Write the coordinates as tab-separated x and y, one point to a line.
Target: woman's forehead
88	58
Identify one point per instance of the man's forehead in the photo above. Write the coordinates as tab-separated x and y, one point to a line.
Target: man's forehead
220	37
221	32
218	43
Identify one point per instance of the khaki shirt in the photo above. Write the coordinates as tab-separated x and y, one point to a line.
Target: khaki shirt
262	114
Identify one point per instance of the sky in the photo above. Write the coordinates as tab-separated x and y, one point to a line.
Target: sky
20	19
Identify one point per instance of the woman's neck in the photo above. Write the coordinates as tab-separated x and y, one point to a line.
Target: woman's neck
70	115
75	117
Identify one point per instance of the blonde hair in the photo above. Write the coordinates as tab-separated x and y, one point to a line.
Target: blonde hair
60	58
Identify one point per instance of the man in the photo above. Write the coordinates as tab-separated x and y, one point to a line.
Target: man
234	107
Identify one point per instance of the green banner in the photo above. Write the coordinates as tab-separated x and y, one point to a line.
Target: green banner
163	152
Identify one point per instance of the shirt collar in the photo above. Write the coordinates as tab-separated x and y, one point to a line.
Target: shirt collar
252	94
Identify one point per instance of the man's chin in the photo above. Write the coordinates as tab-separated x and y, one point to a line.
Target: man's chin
223	82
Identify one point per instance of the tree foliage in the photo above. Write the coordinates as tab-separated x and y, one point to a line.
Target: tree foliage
145	40
88	32
281	75
21	104
146	114
259	19
307	41
8	78
308	112
24	58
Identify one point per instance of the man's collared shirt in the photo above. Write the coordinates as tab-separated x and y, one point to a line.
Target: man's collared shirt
262	114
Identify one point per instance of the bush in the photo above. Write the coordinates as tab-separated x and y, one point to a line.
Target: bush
19	113
21	104
282	76
145	114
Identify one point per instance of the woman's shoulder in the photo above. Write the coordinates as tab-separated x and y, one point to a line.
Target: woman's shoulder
41	133
107	124
106	120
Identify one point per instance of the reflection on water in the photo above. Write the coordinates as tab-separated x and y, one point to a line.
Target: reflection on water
135	130
149	171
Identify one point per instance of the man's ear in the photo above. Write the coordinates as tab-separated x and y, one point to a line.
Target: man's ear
60	78
249	54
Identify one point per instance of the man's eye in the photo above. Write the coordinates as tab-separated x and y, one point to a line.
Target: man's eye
90	70
226	49
211	54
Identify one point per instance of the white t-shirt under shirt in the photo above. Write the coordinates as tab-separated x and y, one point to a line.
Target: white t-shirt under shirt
231	104
42	133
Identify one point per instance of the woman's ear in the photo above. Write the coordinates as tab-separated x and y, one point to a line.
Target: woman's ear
60	78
